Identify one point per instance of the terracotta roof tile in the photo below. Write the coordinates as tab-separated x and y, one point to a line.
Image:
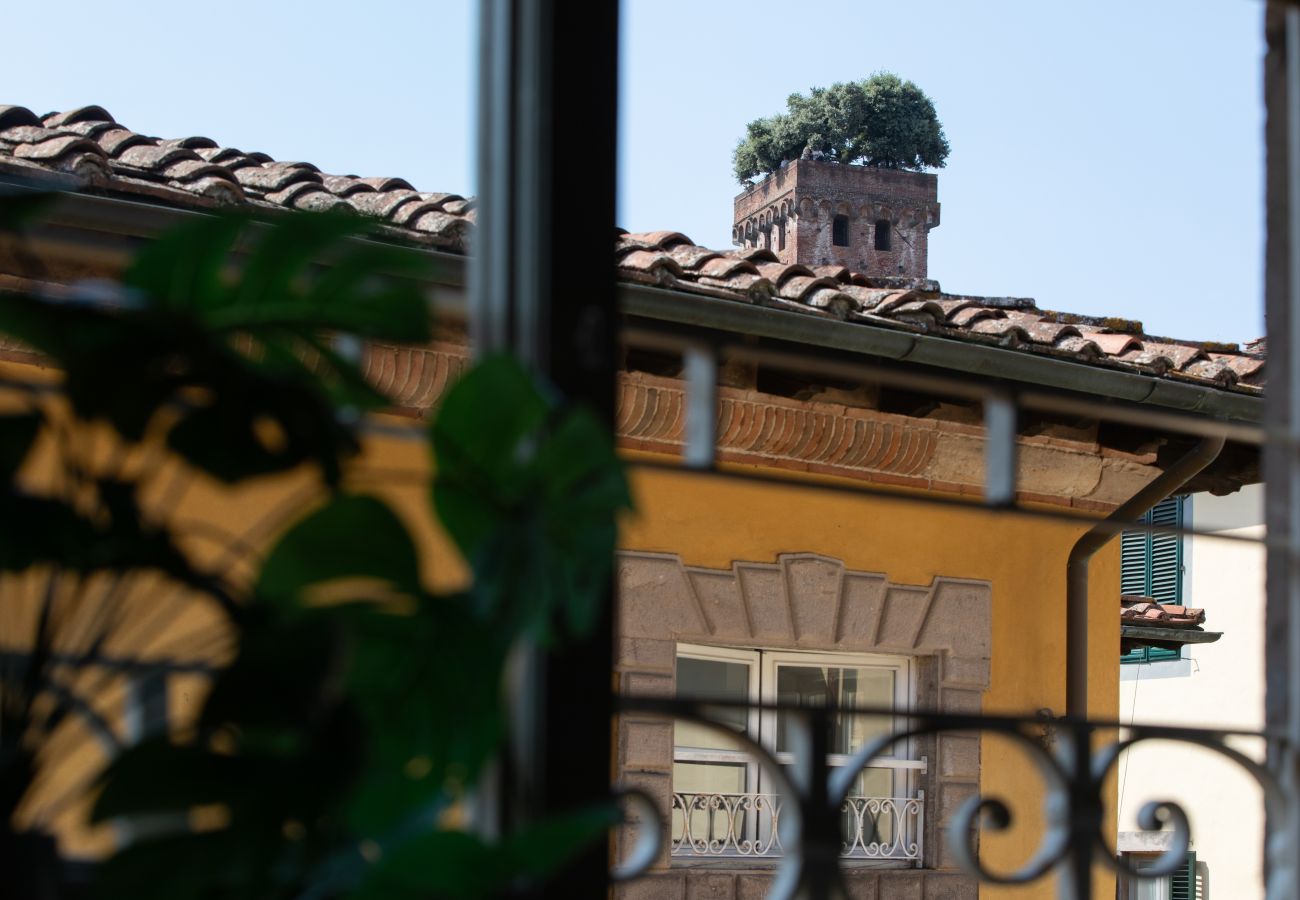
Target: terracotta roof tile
829	298
754	254
11	116
800	287
692	258
740	286
89	144
1148	612
723	266
1113	344
838	273
1078	345
1245	367
969	314
54	147
386	184
1207	370
193	143
382	204
272	177
80	114
155	156
91	129
779	272
116	141
1163	355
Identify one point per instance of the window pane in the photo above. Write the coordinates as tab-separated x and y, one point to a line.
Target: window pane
714	680
1150	888
837	686
709	778
709	821
869	815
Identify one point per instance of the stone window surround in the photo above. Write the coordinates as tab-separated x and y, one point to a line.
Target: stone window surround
803	601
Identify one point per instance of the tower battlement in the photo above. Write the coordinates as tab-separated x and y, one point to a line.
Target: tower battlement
813	212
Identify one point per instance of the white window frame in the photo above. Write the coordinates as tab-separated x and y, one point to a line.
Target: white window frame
741	757
761	726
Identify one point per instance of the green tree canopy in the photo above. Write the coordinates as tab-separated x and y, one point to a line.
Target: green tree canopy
882	121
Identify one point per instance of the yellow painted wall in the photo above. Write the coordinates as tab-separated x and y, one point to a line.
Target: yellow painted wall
712	522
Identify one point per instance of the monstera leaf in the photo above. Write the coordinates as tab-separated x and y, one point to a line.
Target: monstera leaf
529	488
229	323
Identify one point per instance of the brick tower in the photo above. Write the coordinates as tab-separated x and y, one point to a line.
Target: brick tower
812	212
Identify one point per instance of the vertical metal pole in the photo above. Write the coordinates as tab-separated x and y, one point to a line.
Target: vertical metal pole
1290	363
1086	814
999	450
1282	410
701	406
542	286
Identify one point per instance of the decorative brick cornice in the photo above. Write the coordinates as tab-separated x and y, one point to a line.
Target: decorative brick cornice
755	427
809	435
818	436
752	427
414	379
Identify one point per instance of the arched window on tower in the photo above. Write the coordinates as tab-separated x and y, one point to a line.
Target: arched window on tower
840	231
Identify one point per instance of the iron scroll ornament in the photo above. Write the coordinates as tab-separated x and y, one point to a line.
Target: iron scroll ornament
1073	837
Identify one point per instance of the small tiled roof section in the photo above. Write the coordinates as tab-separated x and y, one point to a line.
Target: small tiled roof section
1149	613
95	153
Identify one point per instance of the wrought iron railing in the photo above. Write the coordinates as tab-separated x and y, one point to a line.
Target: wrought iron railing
1072	758
711	825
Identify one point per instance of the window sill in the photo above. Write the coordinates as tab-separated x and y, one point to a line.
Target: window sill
1170	668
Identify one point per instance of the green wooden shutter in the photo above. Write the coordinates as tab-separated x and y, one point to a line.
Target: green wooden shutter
1183	883
1165	567
1152	565
1133	563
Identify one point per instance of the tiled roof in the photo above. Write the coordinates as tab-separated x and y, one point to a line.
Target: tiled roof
98	154
1144	622
1147	612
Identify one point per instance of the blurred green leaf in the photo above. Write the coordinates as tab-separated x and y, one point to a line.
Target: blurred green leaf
281	256
543	849
210	865
259	425
439	865
454	865
37	530
352	536
287	675
19	207
183	268
446	664
368	289
529	490
17	434
363	718
161	777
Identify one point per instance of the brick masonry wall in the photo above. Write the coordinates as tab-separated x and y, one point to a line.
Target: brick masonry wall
791	213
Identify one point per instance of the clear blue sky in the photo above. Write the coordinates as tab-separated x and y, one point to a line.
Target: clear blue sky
1106	158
